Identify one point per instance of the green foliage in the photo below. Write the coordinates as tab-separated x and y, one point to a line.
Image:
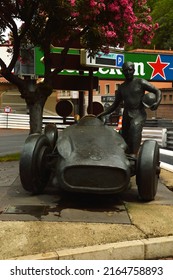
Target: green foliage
12	157
96	24
163	14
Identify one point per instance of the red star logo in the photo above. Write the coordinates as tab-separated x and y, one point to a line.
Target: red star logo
158	67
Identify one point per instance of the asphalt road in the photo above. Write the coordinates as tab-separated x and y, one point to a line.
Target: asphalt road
12	141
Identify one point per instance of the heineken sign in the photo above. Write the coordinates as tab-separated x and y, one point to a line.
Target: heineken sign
154	67
150	66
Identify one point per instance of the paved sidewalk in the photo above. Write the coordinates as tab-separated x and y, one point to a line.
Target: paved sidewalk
12	140
148	236
8	172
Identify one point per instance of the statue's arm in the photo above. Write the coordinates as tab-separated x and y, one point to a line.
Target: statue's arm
115	104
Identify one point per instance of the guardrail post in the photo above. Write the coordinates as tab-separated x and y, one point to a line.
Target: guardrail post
6	120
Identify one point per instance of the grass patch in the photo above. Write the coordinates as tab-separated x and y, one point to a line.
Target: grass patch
12	157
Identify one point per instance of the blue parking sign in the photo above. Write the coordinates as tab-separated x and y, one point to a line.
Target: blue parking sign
120	60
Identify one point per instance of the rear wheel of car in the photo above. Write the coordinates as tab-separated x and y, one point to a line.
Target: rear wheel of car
33	167
148	170
51	132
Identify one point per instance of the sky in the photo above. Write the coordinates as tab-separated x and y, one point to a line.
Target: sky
8	30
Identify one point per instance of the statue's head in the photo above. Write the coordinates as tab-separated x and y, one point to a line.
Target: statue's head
128	70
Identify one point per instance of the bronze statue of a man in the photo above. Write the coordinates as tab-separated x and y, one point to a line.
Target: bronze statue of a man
131	93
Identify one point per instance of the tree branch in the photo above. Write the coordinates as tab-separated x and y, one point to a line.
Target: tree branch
64	52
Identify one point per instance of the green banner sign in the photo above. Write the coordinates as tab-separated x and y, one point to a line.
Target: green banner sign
154	67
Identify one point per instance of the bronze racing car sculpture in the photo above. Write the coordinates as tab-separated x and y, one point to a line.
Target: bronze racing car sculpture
87	157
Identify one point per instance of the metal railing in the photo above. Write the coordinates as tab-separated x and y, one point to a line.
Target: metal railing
169	138
164	136
156	133
21	121
165	124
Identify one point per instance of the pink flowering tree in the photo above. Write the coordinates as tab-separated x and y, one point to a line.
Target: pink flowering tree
98	24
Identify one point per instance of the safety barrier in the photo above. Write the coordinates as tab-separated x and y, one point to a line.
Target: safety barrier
166	159
162	123
169	138
156	133
164	136
60	122
10	120
21	121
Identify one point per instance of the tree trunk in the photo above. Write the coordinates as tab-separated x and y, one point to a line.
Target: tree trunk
36	116
36	97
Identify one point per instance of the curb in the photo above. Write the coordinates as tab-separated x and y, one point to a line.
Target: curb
166	166
144	249
166	159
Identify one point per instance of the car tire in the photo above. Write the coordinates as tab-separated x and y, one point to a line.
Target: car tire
33	167
51	132
148	170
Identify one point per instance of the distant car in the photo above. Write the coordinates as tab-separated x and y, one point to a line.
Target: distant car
87	157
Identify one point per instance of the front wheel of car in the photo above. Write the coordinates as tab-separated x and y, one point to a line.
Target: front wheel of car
148	170
51	132
33	167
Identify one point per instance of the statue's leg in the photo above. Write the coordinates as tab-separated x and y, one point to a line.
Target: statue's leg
135	134
126	130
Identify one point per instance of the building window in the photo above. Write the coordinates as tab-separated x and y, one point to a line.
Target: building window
164	97
170	97
117	86
107	89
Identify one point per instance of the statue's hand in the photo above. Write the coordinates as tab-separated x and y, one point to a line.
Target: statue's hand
102	118
154	106
99	116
